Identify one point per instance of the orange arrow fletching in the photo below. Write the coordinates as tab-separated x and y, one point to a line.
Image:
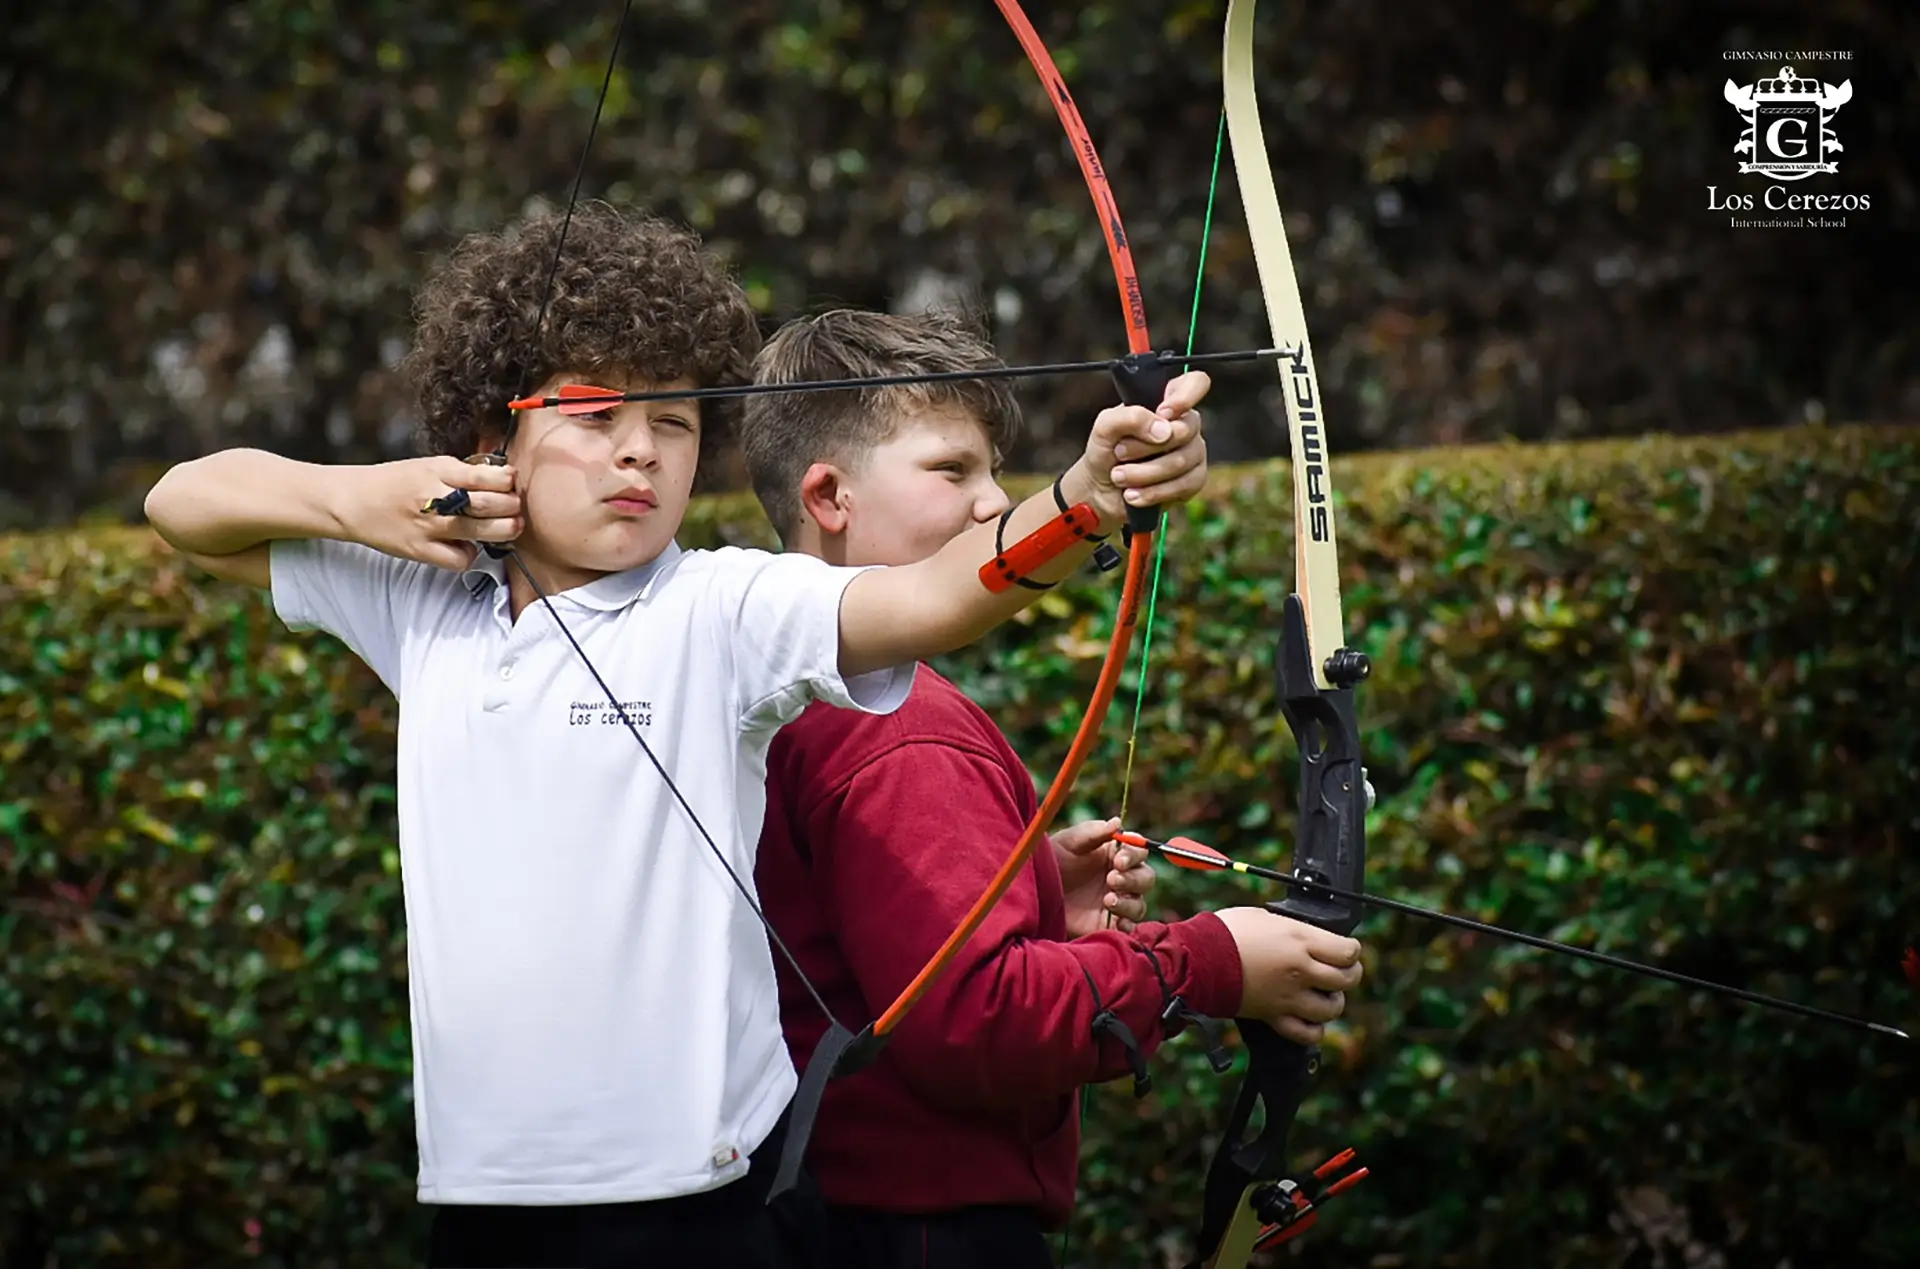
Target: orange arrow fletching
573	398
1181	852
1188	853
584	398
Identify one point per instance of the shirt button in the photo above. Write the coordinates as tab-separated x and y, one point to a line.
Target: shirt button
506	671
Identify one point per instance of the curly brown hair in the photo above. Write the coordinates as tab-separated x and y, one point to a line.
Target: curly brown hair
783	434
634	295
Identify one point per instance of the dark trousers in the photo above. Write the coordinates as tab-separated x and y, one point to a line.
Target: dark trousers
729	1228
971	1238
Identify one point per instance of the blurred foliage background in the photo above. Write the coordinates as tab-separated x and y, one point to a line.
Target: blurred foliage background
212	213
1654	695
1658	697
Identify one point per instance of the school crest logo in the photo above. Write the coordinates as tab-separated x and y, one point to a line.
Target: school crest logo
1787	135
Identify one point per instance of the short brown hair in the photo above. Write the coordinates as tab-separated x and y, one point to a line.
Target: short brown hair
634	296
784	433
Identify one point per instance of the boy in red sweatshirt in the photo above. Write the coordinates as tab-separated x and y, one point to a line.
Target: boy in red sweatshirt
960	1145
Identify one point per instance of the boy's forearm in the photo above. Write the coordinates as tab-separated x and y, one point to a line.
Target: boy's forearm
914	611
961	559
240	498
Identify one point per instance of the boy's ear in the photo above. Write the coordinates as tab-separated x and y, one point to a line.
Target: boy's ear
821	491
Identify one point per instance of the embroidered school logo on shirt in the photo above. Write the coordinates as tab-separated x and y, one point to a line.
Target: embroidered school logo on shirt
590	713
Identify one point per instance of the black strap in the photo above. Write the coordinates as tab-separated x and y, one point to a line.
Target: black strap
1105	558
840	1052
1176	1013
1000	549
1108	1023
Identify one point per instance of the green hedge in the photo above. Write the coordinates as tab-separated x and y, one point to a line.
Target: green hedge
1659	697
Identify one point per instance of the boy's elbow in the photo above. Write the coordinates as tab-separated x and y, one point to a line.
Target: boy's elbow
179	506
162	505
183	508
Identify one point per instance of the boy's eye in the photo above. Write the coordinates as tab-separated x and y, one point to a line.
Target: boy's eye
675	420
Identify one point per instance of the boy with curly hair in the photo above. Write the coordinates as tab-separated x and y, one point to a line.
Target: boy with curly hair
600	1077
959	1145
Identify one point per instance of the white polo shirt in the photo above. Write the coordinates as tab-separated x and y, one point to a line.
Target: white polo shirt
594	1009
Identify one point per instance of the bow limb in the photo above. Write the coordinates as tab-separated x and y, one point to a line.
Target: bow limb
1249	1197
1119	251
1141	379
1316	558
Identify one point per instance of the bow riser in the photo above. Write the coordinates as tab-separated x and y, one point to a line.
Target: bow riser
1330	844
1243	1195
1242	1192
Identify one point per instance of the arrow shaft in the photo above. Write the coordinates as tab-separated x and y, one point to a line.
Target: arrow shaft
1530	940
903	380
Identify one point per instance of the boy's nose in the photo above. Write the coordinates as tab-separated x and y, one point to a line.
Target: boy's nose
636	448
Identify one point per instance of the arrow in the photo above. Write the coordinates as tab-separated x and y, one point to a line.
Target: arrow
581	398
1184	852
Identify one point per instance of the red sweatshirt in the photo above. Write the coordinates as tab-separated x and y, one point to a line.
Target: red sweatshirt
881	831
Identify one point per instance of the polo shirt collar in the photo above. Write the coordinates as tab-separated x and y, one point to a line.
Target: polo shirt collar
607	594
